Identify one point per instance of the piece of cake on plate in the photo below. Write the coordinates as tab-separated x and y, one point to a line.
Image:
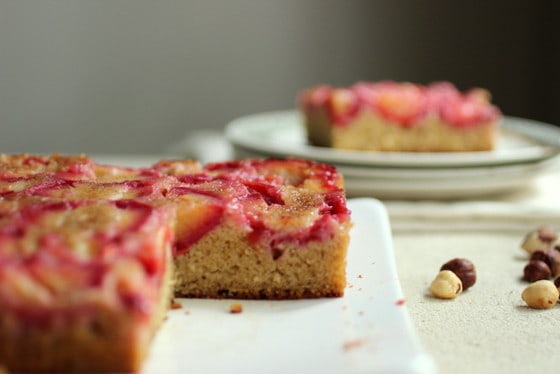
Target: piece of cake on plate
272	229
400	117
90	253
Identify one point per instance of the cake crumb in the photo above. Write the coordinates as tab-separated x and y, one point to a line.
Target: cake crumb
235	308
400	302
352	344
360	276
176	305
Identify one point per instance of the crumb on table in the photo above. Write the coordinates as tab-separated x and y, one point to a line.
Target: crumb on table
235	308
352	344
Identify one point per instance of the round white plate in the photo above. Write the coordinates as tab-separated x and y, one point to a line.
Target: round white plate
436	189
282	134
435	183
528	169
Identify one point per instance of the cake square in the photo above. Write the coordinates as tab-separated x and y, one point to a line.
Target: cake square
83	285
90	254
280	231
400	117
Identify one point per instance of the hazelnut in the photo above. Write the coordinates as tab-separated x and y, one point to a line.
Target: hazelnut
542	294
446	285
541	238
462	268
536	270
549	256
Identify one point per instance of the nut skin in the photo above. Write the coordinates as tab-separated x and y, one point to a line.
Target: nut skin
542	294
540	238
446	285
549	256
464	269
536	270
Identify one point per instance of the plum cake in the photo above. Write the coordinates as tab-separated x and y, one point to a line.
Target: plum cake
91	254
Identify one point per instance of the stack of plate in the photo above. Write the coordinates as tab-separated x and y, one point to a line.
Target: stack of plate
525	149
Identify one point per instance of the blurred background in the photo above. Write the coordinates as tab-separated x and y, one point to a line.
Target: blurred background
134	76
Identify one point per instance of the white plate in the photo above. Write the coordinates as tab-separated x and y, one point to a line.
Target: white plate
436	183
366	331
282	134
434	190
527	170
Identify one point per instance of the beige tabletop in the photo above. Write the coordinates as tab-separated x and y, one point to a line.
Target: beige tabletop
488	328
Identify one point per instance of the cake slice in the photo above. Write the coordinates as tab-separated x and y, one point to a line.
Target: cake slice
400	117
273	229
83	285
90	254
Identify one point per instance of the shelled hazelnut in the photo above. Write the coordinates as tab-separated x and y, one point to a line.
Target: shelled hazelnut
542	294
464	269
541	238
446	285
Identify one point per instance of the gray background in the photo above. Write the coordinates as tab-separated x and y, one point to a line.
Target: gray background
133	76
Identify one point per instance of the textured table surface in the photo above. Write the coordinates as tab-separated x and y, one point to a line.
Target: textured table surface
488	328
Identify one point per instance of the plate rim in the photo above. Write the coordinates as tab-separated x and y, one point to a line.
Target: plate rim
437	174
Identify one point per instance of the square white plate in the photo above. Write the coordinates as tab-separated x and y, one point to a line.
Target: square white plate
366	331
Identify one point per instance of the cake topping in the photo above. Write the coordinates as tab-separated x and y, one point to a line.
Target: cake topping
468	111
343	105
402	103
